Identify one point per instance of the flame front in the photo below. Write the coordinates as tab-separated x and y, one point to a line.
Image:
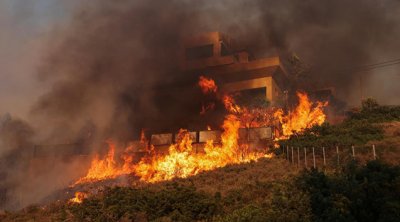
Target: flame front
107	168
183	160
306	115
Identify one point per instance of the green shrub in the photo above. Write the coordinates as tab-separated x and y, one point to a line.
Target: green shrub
367	193
176	202
249	213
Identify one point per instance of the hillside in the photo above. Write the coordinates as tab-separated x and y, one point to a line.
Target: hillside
357	188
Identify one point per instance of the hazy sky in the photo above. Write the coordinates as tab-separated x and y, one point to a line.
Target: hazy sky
24	25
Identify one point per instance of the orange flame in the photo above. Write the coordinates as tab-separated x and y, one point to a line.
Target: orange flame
181	161
79	197
231	105
306	115
106	168
207	85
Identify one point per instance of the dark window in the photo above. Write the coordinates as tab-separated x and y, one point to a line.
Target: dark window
252	97
199	52
224	50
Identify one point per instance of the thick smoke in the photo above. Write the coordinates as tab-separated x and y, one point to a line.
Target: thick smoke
114	66
114	55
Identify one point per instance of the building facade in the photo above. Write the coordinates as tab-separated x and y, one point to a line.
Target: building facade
217	56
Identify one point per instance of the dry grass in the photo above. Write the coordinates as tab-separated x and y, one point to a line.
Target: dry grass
251	180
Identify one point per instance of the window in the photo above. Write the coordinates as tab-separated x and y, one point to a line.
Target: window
199	52
224	49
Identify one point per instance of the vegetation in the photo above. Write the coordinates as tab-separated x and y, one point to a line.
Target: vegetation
356	192
359	193
266	190
361	126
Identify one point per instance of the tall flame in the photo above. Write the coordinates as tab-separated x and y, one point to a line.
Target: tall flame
182	160
306	115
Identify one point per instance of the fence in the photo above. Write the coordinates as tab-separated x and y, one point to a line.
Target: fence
325	155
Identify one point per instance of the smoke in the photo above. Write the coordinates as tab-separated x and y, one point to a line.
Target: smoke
113	68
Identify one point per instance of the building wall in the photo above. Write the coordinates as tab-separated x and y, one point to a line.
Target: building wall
234	71
272	92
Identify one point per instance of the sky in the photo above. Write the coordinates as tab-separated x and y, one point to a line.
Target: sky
25	25
25	28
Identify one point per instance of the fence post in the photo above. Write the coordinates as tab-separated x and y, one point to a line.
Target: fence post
292	156
337	153
323	154
313	155
305	157
298	157
353	152
287	153
373	151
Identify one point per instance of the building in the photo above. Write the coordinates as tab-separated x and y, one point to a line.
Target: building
217	56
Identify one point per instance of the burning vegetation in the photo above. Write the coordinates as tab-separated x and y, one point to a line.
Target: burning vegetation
183	159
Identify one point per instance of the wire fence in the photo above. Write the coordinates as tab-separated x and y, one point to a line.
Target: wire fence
326	156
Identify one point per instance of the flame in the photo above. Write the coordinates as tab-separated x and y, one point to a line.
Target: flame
79	197
207	85
143	138
182	160
231	105
208	128
107	168
306	115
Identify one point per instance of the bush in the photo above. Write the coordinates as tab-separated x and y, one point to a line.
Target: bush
176	202
368	193
360	127
346	134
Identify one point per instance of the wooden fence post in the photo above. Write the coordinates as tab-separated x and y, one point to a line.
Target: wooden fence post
323	154
305	157
298	157
313	155
292	156
337	154
287	153
373	151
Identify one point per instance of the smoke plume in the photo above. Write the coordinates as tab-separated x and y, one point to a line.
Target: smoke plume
113	67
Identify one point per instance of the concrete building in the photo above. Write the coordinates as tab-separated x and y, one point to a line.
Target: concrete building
217	56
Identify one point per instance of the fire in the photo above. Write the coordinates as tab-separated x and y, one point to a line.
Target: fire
231	105
249	117
106	168
182	160
79	197
306	115
207	85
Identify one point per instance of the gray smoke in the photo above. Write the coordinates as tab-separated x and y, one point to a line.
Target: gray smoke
113	55
111	66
